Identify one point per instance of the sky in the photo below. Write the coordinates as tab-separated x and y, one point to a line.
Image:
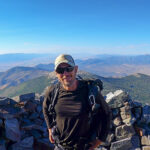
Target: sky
75	26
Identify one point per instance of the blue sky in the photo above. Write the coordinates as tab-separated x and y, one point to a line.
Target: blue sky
74	26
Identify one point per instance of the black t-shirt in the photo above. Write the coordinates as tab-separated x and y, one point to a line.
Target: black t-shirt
72	113
72	109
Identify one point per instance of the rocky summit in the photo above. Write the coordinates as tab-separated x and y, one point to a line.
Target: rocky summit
22	125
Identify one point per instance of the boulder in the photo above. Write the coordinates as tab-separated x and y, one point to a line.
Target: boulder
12	129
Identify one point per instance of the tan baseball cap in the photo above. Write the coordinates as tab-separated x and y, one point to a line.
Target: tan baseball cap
64	58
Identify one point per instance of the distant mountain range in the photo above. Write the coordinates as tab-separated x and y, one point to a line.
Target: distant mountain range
8	61
17	75
136	85
103	65
24	79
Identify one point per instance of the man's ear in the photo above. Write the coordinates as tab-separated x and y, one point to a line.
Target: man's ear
76	69
55	73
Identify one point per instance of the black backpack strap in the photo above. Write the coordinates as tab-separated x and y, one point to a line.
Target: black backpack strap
92	93
53	100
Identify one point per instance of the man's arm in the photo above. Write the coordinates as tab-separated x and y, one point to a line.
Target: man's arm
46	103
50	136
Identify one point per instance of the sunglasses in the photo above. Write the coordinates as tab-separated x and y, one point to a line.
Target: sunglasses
62	70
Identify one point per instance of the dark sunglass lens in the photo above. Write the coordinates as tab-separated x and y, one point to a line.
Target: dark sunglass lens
60	70
69	69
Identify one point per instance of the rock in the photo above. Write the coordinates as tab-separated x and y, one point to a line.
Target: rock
126	144
25	144
115	112
1	122
118	99
100	148
36	134
43	144
41	99
109	139
38	122
146	148
12	129
145	140
2	145
6	101
117	121
29	113
10	111
24	97
33	116
39	109
111	95
127	115
124	131
34	126
146	113
137	112
30	106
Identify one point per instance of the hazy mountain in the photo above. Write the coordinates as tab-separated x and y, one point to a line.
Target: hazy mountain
47	67
18	75
136	85
116	66
103	65
116	60
8	61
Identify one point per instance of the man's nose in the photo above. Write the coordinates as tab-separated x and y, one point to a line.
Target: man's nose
65	72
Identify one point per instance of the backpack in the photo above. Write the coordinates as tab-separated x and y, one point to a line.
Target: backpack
94	86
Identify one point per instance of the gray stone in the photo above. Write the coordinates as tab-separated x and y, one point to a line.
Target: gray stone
33	116
41	99
136	148
34	126
27	97
6	101
24	97
12	129
124	131
2	145
119	100
30	106
38	121
137	104
126	144
117	121
36	134
109	139
10	111
39	109
1	122
146	113
145	140
115	112
146	148
26	121
137	112
127	115
43	144
25	144
100	148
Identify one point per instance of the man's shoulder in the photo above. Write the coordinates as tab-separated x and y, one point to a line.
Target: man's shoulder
50	89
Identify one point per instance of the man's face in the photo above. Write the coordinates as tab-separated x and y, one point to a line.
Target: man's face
67	78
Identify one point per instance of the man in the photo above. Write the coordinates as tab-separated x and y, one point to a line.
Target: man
72	129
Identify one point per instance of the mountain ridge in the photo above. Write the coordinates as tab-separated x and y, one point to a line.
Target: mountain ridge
136	85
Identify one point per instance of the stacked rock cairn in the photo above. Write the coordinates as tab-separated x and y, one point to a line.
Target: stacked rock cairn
22	125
